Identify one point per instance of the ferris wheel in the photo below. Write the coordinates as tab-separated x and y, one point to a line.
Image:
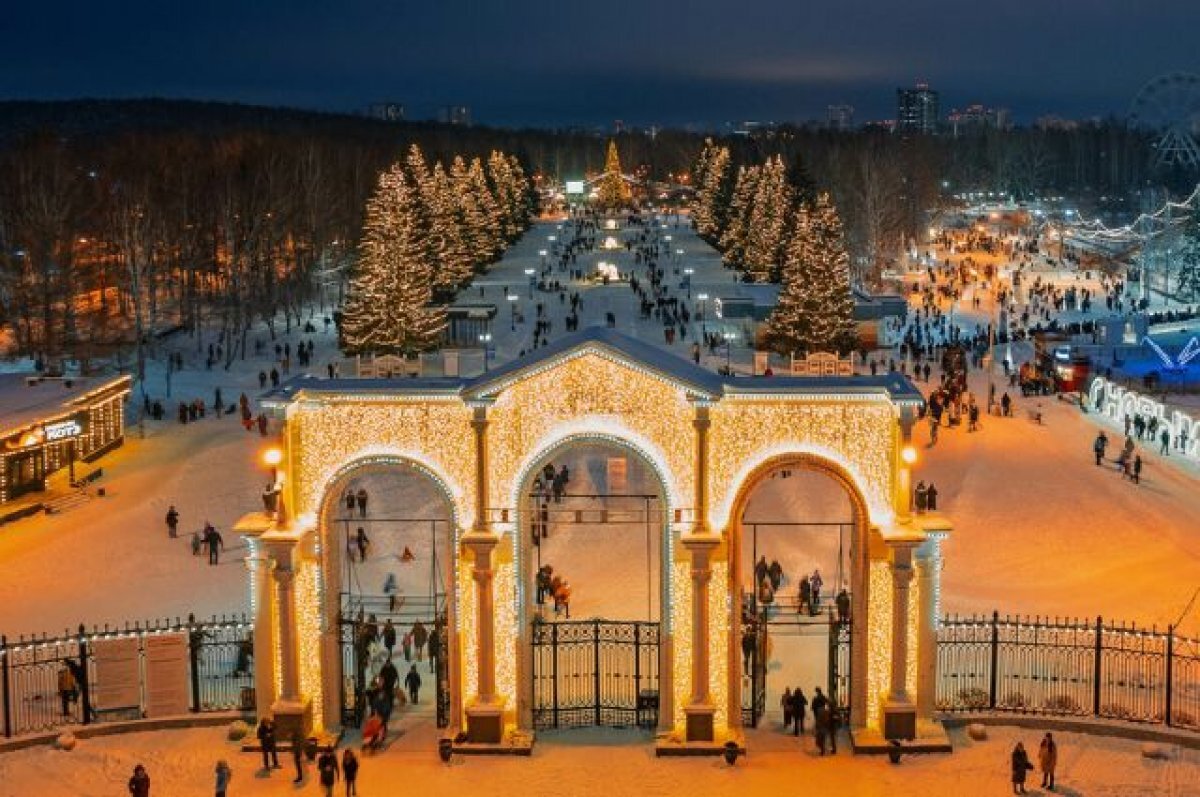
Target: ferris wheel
1169	106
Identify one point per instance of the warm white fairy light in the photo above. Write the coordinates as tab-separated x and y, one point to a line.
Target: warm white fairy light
435	435
857	438
879	638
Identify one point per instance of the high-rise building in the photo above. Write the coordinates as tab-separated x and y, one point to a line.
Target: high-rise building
455	115
840	117
387	111
976	118
917	110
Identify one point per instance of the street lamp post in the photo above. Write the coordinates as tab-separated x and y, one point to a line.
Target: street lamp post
512	299
688	272
486	339
729	336
703	297
529	272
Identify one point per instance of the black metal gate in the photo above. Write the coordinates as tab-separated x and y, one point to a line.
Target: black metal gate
754	668
595	672
839	667
360	640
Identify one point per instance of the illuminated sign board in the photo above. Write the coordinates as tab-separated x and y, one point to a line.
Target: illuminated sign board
574	186
62	430
1117	403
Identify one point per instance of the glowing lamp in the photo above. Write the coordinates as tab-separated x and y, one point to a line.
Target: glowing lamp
909	455
273	456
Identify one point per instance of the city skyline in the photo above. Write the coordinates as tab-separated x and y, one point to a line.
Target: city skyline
519	66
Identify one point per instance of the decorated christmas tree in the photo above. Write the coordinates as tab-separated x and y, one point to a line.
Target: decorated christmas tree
711	176
769	215
448	235
816	307
388	307
490	221
613	193
736	232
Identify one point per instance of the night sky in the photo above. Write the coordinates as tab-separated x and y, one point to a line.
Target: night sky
516	62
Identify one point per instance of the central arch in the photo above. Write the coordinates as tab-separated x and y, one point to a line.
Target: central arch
858	570
525	557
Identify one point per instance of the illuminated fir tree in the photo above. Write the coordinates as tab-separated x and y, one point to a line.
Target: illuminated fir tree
734	237
711	178
613	192
388	309
448	234
768	220
490	230
815	311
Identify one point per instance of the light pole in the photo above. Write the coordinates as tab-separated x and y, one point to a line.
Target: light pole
486	339
543	253
687	273
529	272
512	299
729	336
703	297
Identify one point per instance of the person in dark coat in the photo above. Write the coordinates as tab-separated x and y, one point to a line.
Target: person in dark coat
1020	768
350	772
389	637
389	676
786	703
139	784
212	538
413	682
266	740
799	709
420	636
298	754
1048	760
361	498
172	522
329	771
931	496
362	542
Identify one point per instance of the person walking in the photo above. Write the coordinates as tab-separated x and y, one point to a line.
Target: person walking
172	522
1048	760
362	542
298	754
799	709
413	682
785	703
139	784
1020	768
922	496
350	772
931	495
212	538
361	499
420	637
223	775
327	768
389	636
268	743
1137	469
1099	446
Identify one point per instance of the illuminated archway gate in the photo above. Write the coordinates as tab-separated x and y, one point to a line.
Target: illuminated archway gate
708	437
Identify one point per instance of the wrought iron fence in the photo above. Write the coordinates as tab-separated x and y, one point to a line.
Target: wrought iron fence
595	672
1068	667
112	674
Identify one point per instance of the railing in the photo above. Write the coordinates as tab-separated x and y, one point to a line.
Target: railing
1082	668
106	675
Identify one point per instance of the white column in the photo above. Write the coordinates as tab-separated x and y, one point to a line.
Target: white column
929	565
700	710
902	575
289	652
484	576
259	566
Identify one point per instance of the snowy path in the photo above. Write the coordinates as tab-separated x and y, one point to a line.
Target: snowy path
607	763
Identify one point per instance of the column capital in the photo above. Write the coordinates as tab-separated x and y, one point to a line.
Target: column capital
480	541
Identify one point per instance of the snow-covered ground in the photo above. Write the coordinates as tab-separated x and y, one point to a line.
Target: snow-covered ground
596	762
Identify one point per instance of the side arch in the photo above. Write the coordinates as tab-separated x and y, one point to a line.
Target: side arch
859	564
331	556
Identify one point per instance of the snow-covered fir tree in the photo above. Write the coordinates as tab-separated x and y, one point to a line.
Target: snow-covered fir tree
388	309
815	311
491	231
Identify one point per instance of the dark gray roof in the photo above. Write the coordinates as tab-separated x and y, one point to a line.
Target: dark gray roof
698	381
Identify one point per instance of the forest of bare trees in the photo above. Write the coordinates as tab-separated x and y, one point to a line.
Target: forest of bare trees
113	232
